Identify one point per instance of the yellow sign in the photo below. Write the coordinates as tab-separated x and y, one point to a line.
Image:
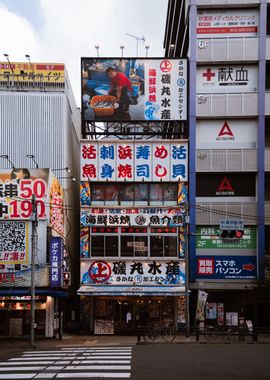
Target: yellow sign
34	72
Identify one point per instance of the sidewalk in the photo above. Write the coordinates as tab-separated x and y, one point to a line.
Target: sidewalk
13	345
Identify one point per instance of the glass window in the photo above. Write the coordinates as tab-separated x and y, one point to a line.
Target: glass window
170	246
156	246
111	194
127	246
97	246
170	192
141	246
111	246
127	194
156	196
141	192
97	192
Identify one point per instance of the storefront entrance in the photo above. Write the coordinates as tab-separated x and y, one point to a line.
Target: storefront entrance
123	315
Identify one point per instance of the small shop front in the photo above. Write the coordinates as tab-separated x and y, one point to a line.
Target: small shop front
122	315
118	304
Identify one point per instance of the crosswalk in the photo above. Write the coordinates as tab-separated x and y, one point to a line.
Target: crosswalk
70	363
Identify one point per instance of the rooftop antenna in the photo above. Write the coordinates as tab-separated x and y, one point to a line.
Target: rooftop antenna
137	38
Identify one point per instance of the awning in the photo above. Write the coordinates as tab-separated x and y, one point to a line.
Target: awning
102	290
38	292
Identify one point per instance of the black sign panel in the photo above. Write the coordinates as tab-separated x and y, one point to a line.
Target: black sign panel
226	185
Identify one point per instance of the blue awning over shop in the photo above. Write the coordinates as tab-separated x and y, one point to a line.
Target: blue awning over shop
103	290
38	292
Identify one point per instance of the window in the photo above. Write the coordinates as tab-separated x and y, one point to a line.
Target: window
134	242
97	246
111	246
143	194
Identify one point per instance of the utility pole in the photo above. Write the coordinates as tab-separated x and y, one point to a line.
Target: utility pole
33	263
187	275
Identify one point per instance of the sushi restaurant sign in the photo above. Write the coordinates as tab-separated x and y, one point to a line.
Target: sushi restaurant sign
134	161
151	89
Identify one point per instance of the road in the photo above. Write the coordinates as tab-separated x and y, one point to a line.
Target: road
142	362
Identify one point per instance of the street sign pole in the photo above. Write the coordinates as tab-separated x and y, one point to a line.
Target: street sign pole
33	262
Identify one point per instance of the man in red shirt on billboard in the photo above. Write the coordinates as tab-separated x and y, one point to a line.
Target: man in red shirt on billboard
120	85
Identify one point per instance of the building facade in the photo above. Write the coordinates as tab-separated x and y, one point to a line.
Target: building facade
228	48
39	141
134	188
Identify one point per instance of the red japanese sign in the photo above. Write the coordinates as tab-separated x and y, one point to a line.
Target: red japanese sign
100	271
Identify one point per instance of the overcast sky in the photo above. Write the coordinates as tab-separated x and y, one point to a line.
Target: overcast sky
65	30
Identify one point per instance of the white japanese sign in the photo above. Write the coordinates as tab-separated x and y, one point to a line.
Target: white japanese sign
227	79
227	22
133	217
132	272
226	133
165	89
134	161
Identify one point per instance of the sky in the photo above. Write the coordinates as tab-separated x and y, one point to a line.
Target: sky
65	30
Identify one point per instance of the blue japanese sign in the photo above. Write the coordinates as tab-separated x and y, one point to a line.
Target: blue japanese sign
56	254
227	267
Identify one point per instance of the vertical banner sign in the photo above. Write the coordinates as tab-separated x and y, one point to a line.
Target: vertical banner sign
202	298
56	254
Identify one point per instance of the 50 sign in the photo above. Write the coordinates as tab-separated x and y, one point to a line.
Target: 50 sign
16	199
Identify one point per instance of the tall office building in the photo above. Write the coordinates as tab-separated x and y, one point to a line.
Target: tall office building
227	44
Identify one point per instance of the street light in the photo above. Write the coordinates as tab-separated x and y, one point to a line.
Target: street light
7	57
97	49
32	158
122	47
73	179
27	56
8	159
66	169
146	50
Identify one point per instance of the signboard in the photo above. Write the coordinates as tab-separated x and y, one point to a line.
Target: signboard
132	217
227	79
227	267
32	72
16	189
226	134
134	161
207	237
148	89
56	206
14	242
132	272
225	185
227	22
56	255
15	254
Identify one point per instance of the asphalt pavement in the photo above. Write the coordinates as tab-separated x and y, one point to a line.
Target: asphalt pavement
115	357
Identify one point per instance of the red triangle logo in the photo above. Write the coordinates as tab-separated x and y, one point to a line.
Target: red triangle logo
225	185
225	130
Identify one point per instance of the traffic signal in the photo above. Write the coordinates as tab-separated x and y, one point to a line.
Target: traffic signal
231	234
67	278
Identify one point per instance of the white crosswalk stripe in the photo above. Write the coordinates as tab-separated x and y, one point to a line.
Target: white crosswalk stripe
68	362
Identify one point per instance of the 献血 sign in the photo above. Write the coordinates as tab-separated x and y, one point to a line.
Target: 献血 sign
134	161
227	79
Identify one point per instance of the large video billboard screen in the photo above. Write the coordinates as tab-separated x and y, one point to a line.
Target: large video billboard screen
134	89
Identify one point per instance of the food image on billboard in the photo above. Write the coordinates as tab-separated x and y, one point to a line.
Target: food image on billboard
136	89
17	186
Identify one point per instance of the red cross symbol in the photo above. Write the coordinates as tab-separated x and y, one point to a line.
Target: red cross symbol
208	75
